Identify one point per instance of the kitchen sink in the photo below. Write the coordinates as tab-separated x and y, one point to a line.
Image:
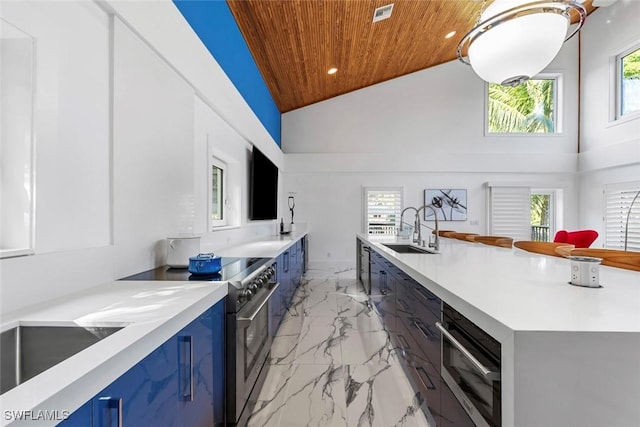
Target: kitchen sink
408	249
27	351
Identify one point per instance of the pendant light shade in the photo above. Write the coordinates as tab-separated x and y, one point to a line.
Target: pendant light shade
516	40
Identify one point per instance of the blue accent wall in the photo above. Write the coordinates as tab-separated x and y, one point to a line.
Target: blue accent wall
214	23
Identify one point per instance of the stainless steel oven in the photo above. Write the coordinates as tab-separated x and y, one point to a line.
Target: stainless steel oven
248	340
471	367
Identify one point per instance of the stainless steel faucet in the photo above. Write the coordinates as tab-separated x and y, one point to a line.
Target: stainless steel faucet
417	222
436	242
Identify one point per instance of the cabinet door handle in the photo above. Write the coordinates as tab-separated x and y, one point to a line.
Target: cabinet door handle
405	345
403	304
431	386
422	331
110	404
186	367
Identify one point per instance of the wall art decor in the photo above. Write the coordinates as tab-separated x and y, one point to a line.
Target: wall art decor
450	204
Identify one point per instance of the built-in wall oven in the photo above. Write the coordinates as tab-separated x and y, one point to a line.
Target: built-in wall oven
471	367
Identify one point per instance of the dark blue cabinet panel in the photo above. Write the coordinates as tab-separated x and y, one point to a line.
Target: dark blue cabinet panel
82	417
145	395
180	383
195	372
409	312
218	351
452	413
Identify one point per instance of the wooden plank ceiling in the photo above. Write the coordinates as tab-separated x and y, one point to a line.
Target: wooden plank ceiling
295	42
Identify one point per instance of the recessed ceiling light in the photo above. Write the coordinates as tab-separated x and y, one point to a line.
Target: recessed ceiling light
332	71
449	35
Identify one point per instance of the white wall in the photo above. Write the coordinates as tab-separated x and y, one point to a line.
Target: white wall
606	142
72	166
610	149
122	103
424	130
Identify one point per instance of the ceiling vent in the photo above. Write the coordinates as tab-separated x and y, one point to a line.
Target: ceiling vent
382	12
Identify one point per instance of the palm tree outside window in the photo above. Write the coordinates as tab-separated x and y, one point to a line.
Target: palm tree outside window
531	107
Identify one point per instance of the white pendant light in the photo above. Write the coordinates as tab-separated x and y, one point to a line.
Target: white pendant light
515	40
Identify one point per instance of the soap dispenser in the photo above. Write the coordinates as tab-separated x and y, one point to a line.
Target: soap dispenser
281	225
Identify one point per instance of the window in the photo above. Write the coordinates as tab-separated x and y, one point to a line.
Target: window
542	217
620	206
628	87
531	107
524	213
383	207
218	215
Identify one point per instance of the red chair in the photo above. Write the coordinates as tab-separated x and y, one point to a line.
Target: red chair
579	238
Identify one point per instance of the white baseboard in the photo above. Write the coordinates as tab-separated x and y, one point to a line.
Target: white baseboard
331	265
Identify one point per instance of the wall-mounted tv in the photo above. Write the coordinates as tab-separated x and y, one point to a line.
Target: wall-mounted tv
263	187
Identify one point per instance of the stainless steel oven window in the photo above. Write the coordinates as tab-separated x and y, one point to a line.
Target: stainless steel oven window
475	386
256	336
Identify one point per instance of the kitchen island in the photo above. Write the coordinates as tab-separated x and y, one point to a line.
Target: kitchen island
570	355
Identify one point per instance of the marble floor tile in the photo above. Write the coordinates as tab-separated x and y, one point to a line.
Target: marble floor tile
332	362
351	305
290	326
271	399
319	342
283	350
315	397
365	321
380	396
365	348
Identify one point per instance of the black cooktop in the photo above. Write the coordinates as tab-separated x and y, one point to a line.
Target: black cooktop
236	268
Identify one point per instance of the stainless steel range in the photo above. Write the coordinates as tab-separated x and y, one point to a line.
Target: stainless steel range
247	338
251	282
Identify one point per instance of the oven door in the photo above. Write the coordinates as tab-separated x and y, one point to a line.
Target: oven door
472	375
253	343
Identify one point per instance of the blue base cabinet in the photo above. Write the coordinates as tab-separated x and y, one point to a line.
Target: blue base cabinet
180	383
409	312
146	394
290	266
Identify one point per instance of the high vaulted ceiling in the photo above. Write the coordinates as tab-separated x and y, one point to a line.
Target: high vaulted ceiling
295	42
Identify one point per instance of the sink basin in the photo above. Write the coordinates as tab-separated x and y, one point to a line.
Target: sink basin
408	249
27	351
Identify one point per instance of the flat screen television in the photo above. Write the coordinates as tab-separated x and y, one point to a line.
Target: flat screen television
263	187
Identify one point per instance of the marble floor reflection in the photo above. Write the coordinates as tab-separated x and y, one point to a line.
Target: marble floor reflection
332	363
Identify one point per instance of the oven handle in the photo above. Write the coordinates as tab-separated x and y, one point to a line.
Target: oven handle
487	373
246	321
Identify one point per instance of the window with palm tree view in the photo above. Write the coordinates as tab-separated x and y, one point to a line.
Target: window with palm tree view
527	108
629	86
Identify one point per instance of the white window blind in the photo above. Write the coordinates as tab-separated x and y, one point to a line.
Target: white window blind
383	207
510	212
617	200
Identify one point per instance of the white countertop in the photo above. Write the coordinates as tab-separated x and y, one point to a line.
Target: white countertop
267	247
522	291
151	312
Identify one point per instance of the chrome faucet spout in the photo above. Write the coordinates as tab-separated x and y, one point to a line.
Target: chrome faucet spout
402	216
436	242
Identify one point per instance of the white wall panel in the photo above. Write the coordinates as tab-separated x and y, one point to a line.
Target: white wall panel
72	143
608	32
153	154
72	121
